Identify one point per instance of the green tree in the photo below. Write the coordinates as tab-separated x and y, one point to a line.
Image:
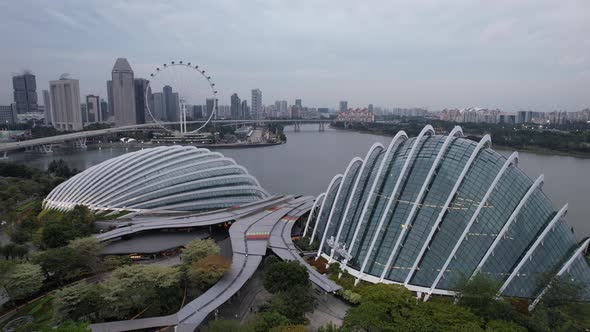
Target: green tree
265	321
59	168
224	325
504	326
197	249
207	271
61	264
89	248
79	301
132	289
282	276
293	303
22	281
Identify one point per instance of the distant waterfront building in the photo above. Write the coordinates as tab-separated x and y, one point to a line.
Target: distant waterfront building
431	211
8	114
171	104
235	107
343	106
197	112
159	109
356	115
64	95
93	111
141	111
298	103
104	110
84	113
123	93
370	108
256	103
47	105
176	105
111	113
245	110
284	109
25	93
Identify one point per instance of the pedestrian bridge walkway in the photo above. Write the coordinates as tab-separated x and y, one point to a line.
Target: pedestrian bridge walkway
257	226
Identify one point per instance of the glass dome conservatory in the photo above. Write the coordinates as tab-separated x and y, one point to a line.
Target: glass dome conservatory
161	179
430	211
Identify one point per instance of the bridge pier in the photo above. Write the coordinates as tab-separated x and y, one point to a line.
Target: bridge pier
78	143
297	127
322	126
42	148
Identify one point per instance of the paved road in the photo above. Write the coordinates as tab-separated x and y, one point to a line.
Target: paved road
260	220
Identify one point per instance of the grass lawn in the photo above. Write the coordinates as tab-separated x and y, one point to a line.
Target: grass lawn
41	311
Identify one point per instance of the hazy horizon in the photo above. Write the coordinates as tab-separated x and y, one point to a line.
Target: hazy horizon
433	54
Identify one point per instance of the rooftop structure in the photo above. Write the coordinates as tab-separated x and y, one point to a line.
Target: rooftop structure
429	211
163	179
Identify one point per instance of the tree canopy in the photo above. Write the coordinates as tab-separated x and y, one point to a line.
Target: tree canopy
198	249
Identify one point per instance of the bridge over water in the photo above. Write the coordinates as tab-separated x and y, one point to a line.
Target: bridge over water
44	144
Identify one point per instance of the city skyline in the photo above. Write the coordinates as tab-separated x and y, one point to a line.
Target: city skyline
530	55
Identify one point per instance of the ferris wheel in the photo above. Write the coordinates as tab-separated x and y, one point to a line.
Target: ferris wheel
178	92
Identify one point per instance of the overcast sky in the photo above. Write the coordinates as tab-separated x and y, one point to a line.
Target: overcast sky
499	53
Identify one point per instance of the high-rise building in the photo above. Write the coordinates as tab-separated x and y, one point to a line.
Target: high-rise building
104	110
47	105
83	113
170	105
111	109
245	112
25	93
343	106
159	109
370	108
123	93
235	106
298	103
197	112
284	109
64	96
142	93
175	106
210	104
8	115
93	111
256	103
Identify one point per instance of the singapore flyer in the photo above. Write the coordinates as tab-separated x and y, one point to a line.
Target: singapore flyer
180	92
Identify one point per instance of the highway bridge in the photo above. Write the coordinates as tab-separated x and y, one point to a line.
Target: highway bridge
44	144
256	227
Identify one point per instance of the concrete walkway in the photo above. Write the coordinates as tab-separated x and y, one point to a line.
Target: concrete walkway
249	239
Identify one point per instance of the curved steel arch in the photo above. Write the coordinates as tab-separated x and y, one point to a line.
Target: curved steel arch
486	140
373	148
392	144
409	159
409	220
512	160
537	184
332	183
355	160
560	214
313	207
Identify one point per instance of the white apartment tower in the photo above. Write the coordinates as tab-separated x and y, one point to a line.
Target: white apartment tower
256	104
64	95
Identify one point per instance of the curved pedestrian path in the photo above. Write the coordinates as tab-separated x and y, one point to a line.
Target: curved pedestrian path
255	226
